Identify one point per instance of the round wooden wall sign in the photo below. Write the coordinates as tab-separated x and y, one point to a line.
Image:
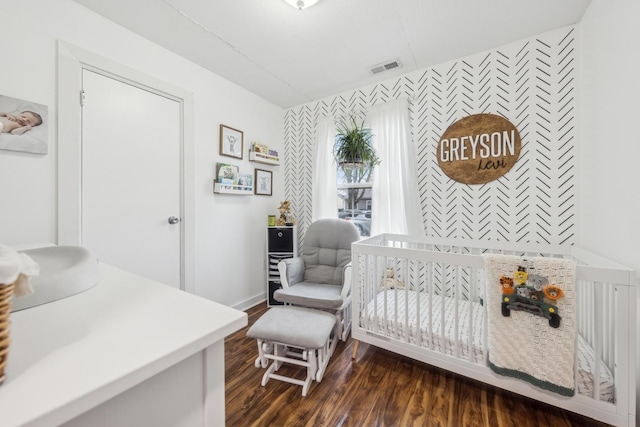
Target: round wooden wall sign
479	148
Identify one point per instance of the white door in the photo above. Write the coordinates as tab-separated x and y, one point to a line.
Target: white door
131	159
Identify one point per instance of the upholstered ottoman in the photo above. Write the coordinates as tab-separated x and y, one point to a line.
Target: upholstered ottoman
296	335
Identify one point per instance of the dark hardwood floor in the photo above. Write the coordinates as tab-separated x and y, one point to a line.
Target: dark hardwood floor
379	388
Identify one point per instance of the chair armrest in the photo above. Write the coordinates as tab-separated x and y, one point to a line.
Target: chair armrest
346	281
291	271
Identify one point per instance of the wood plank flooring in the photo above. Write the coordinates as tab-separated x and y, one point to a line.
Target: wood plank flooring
379	389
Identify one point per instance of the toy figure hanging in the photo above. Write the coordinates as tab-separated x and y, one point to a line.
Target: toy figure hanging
532	293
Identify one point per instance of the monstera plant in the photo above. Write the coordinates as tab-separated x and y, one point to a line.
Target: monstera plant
353	147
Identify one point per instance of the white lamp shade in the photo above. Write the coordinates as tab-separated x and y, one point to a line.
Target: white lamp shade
301	4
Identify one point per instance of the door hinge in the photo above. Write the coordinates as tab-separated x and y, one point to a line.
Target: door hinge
82	98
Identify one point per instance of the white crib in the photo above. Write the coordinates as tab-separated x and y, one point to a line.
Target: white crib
432	310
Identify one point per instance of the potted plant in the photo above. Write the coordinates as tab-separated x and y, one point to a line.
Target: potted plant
353	147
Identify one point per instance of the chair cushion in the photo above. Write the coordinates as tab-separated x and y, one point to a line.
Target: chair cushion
299	326
327	249
315	295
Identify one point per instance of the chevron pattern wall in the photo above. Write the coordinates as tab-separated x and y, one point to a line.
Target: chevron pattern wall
531	83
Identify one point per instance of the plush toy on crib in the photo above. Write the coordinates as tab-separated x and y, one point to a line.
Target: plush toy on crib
388	281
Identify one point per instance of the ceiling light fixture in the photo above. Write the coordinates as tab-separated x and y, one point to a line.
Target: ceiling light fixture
301	4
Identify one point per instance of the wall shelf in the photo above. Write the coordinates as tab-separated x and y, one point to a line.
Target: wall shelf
242	190
255	156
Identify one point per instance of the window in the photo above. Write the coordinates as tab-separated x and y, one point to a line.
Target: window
354	197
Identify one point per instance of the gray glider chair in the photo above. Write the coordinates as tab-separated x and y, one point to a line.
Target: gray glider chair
321	277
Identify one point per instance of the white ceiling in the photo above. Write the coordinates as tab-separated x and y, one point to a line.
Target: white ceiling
291	57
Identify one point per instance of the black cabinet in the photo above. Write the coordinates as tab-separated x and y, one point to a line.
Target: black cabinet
280	239
281	244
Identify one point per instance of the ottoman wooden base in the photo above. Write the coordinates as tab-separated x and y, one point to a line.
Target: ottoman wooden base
296	335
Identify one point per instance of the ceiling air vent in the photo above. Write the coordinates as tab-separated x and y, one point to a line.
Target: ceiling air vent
384	67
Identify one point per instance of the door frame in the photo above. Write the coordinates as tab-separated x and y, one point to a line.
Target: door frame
71	61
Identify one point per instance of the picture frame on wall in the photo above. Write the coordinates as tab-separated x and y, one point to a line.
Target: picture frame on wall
263	182
231	142
24	125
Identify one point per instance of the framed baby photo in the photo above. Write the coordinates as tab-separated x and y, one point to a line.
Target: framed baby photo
24	125
231	142
262	182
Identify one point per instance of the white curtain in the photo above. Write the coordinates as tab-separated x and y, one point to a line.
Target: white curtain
324	183
396	205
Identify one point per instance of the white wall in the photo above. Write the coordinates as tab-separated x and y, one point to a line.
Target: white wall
610	144
609	141
230	229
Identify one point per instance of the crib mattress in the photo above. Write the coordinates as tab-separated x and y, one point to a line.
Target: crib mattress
412	311
406	315
586	366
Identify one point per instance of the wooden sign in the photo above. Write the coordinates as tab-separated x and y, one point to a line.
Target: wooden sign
479	148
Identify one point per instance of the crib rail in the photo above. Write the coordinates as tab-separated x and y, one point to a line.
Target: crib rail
423	297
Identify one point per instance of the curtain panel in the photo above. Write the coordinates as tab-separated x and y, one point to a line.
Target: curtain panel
324	181
396	205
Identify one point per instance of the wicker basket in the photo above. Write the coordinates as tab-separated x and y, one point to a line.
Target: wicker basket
5	310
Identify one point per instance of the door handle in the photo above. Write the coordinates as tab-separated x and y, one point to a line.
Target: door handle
173	220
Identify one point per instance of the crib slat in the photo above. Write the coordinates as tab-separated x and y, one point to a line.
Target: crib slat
417	285
367	285
372	275
470	343
625	338
597	345
431	285
609	357
456	320
443	342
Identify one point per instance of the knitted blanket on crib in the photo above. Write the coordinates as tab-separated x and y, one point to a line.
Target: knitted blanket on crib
531	319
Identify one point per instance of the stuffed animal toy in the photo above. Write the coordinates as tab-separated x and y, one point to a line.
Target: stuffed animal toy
507	285
536	295
286	218
521	275
538	281
388	281
553	292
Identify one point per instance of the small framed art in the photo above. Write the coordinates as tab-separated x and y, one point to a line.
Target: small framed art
262	182
24	125
231	142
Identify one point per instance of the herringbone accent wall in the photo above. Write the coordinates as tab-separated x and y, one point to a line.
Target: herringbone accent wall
532	83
